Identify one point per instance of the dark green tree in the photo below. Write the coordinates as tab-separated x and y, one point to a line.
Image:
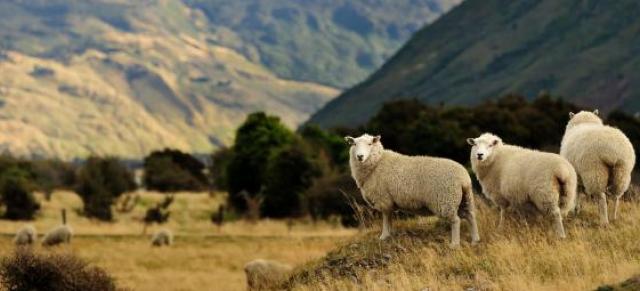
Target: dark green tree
16	190
172	170
256	140
290	172
332	144
100	182
219	162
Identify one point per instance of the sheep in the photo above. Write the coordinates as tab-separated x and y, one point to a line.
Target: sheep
263	274
27	235
515	177
60	234
391	181
163	237
602	156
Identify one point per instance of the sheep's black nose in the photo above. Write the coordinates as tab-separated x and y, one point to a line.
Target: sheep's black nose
480	156
360	157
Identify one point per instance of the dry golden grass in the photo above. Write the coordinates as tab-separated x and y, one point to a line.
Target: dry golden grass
519	256
203	257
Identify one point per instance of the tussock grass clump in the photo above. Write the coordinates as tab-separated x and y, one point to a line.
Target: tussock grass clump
26	270
523	254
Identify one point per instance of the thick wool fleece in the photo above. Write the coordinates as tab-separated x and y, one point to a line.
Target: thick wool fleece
163	237
513	176
390	181
602	156
58	235
263	274
27	235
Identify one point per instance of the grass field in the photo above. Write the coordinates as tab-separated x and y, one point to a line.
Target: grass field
203	256
522	255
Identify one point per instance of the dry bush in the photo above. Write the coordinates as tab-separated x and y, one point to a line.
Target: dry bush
26	270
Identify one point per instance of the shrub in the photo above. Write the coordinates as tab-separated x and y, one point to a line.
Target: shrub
100	182
219	162
172	170
256	140
289	173
335	194
26	270
160	212
17	196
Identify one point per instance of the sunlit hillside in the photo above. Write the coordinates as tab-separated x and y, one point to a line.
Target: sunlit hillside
75	81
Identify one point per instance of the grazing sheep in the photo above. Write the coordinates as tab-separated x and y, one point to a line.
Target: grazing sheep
390	181
163	237
27	235
516	177
263	274
60	234
602	156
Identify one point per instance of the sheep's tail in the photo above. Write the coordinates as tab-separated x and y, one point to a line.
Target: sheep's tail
568	186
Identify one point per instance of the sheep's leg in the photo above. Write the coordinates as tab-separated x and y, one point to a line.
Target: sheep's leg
455	231
471	218
386	225
557	222
616	205
602	205
501	217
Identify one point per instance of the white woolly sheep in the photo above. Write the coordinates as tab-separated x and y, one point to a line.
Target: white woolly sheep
602	156
515	177
27	235
264	274
391	181
163	237
60	234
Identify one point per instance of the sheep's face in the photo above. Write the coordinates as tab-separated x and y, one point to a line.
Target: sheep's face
583	117
363	147
483	146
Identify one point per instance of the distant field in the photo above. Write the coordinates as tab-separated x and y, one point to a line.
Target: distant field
203	256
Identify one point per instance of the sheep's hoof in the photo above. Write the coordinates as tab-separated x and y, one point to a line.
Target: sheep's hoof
475	242
454	246
384	236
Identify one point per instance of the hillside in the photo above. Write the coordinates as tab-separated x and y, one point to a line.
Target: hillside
521	255
333	42
123	78
127	77
586	51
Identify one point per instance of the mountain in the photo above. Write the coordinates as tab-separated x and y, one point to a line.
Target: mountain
333	42
116	77
586	51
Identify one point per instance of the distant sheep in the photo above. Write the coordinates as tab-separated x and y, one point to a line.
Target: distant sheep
390	181
515	177
263	274
163	237
27	235
602	156
60	234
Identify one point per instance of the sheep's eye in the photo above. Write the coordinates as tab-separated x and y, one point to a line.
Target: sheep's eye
370	143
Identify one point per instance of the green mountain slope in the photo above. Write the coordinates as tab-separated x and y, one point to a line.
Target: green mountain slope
586	51
126	77
334	42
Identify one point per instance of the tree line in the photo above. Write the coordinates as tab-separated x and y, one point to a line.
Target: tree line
273	171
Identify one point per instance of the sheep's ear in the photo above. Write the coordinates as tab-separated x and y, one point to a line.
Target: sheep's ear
471	141
596	112
571	115
496	142
349	140
376	138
